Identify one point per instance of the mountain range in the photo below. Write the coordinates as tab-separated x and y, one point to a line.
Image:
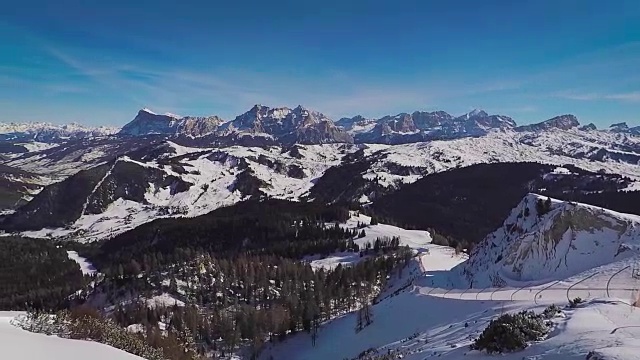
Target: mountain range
263	125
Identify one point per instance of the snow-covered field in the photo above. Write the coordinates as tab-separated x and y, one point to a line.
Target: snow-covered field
18	344
418	240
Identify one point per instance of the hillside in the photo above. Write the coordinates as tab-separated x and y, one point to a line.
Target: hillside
545	239
346	173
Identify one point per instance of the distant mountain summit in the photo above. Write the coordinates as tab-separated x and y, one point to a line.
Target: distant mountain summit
624	128
423	126
563	122
297	125
147	122
265	126
47	132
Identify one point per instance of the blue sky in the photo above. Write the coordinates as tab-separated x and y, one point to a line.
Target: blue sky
100	63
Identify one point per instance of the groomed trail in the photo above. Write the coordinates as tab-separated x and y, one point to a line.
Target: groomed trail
618	281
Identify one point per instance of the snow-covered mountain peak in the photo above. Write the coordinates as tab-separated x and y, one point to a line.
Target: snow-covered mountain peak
287	125
562	122
48	132
148	122
545	239
476	113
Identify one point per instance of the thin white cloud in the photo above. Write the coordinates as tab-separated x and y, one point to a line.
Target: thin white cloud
633	96
572	95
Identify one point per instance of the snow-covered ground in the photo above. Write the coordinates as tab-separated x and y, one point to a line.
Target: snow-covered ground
420	323
36	146
85	266
120	216
418	240
18	344
164	299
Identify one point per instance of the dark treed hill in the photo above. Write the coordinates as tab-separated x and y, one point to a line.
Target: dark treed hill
468	203
14	185
279	227
245	258
36	273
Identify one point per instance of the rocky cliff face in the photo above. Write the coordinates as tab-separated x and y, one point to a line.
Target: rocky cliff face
147	122
298	125
545	239
563	122
425	126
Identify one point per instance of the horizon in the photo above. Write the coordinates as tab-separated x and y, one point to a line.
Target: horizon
181	116
98	65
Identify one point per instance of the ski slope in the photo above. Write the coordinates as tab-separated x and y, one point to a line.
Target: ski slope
18	344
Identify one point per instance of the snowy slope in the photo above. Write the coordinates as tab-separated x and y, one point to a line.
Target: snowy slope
85	266
291	172
538	247
18	344
590	150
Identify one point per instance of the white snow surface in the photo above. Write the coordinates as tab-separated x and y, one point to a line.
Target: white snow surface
36	146
164	299
18	344
86	267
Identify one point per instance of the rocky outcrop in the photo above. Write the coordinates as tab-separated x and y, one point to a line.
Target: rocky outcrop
288	126
562	122
545	239
147	122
